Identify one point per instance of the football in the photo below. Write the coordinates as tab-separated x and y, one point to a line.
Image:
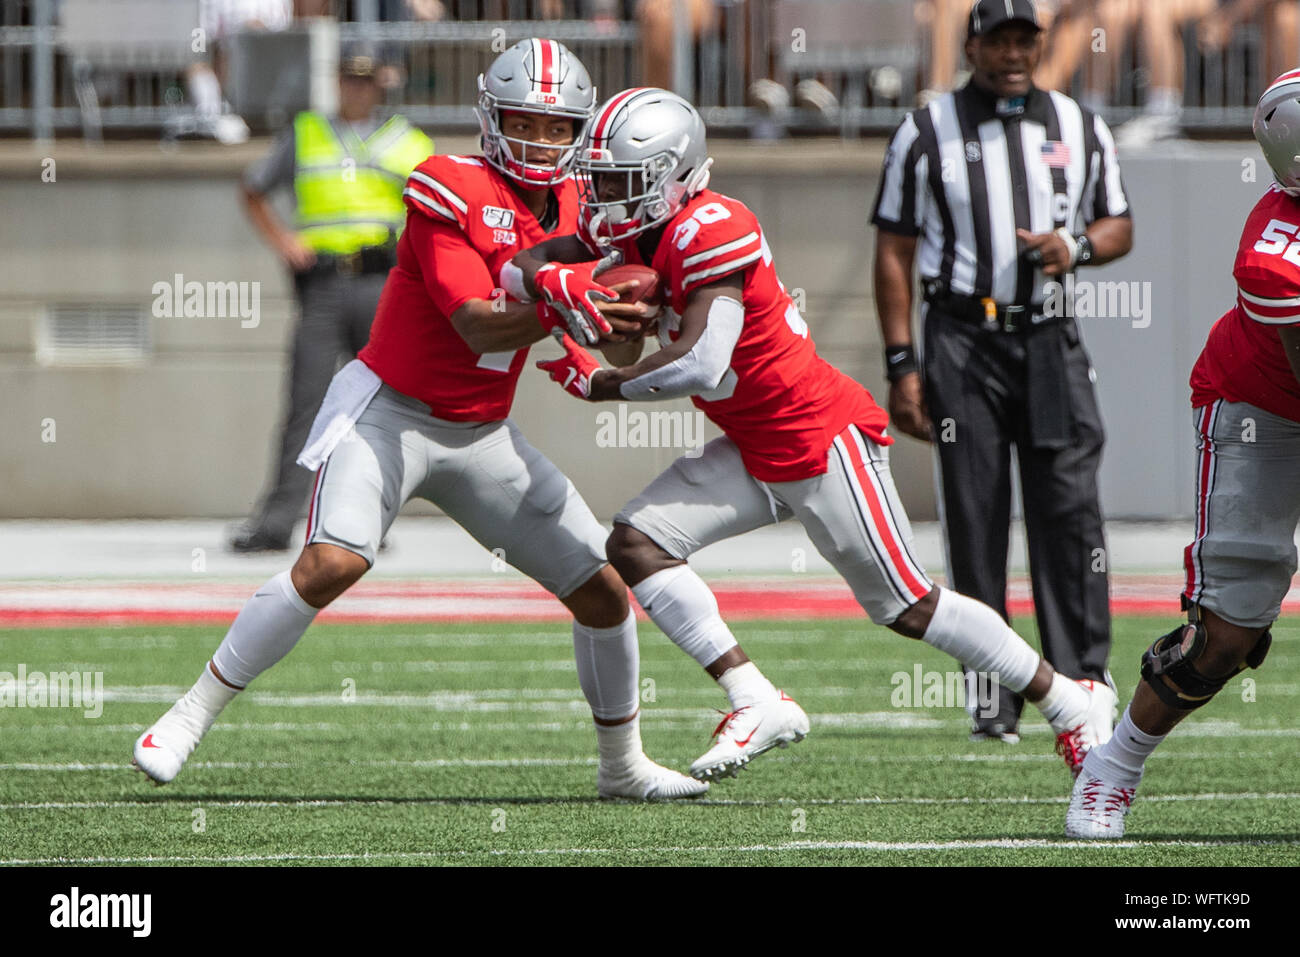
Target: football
651	290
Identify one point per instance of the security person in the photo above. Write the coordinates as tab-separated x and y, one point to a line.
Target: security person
996	191
347	172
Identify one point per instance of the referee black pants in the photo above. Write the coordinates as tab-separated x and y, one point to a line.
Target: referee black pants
336	312
976	390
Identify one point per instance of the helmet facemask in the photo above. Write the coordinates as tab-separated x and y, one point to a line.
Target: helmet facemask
497	148
655	190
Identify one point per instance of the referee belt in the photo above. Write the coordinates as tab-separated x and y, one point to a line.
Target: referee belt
986	313
365	261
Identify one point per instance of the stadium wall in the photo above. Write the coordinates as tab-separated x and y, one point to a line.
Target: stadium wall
188	430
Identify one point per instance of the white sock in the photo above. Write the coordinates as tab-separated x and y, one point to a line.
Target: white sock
975	635
1163	101
678	601
205	91
1121	759
266	629
746	685
198	708
1064	704
619	745
608	660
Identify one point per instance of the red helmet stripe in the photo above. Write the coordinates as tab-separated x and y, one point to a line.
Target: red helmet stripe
1289	76
607	114
548	63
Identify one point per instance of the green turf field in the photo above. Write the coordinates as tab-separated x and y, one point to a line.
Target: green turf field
470	744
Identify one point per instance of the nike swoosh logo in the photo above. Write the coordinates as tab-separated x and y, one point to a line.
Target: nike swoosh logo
564	274
741	744
148	742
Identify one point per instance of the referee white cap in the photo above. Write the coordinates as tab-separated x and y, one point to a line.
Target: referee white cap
987	15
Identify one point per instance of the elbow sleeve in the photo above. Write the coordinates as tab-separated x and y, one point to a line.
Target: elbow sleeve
703	367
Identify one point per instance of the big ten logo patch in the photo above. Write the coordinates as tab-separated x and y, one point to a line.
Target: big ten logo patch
500	221
494	217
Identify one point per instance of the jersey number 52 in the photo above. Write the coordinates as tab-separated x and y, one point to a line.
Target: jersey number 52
1279	238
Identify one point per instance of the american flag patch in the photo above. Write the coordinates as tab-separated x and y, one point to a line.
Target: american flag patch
1055	154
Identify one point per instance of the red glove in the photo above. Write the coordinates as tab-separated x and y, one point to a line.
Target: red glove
571	289
552	319
574	370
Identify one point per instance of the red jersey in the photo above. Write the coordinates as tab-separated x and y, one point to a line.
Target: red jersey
1243	359
780	402
463	223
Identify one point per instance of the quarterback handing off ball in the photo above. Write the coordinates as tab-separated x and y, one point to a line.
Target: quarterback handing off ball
650	291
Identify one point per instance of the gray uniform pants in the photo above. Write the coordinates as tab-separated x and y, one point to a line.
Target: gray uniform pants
336	312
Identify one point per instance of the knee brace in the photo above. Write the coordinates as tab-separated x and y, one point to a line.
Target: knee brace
1168	666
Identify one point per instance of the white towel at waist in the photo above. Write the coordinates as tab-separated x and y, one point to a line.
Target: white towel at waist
349	393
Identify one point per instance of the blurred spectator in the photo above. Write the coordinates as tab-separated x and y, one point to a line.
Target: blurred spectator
775	98
1091	34
1160	25
1279	23
656	18
425	11
219	19
1160	28
500	10
946	21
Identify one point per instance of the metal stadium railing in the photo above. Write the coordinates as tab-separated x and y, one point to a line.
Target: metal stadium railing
69	66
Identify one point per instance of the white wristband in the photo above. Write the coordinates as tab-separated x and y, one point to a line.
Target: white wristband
1071	245
512	281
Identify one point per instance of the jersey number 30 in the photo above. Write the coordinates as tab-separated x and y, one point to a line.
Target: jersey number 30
708	213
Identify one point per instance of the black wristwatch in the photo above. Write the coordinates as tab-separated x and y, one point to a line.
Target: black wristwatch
1083	254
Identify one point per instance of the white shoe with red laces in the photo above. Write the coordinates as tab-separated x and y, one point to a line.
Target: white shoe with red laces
747	732
1090	729
1097	809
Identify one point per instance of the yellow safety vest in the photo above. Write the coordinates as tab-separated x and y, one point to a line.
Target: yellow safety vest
350	193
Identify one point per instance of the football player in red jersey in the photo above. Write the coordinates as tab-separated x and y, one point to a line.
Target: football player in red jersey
801	440
1246	414
423	411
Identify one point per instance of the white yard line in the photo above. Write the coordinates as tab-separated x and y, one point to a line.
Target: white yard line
1009	844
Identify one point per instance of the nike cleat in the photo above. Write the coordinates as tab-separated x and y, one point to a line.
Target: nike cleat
747	732
1097	809
1090	729
162	750
647	781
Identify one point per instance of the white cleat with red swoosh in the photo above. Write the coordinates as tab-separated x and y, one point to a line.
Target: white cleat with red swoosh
162	751
747	732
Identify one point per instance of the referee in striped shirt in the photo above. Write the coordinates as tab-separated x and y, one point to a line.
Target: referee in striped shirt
995	192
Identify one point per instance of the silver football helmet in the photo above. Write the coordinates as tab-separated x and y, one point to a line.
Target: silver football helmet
533	76
1277	127
656	141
